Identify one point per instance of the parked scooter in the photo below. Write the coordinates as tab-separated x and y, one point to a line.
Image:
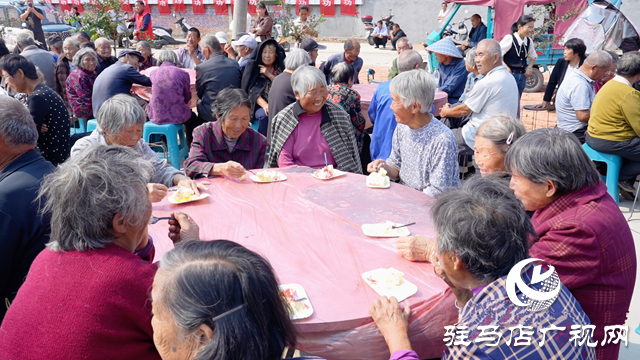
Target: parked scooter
369	26
457	32
182	25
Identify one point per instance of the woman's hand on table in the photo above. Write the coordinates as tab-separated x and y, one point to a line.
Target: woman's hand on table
462	295
157	192
393	323
416	247
180	180
183	228
375	165
231	169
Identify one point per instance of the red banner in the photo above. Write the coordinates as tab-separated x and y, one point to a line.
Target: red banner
78	4
252	7
178	6
64	5
126	7
300	2
198	7
327	8
348	7
220	7
163	7
48	2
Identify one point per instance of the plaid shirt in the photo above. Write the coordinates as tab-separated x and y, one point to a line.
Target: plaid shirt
585	237
335	127
62	71
209	147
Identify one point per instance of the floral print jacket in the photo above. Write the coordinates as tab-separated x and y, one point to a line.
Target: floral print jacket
79	87
349	100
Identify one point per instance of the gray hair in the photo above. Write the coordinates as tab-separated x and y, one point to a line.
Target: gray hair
16	124
350	43
168	56
87	51
227	100
100	40
56	45
493	48
211	42
502	130
409	60
342	73
72	41
629	64
415	86
297	58
484	225
25	38
552	154
305	78
86	192
403	39
144	44
120	112
614	57
471	57
600	59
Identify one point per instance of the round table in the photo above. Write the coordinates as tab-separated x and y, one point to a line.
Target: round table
144	92
310	231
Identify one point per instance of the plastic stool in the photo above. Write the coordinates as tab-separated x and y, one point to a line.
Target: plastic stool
80	129
614	163
176	141
92	125
638	330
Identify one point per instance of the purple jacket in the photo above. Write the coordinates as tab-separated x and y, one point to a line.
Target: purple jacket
170	95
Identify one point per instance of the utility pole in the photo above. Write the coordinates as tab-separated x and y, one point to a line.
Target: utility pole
240	16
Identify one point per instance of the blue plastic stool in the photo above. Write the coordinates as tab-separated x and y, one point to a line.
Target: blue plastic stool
80	129
176	141
638	330
91	125
614	163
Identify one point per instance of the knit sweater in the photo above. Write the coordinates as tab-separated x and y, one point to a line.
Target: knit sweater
82	305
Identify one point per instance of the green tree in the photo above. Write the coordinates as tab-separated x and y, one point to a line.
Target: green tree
297	33
101	19
544	34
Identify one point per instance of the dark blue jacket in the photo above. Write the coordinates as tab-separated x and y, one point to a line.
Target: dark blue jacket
477	34
116	79
212	76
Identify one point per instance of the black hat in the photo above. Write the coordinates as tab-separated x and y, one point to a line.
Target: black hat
309	44
124	52
54	39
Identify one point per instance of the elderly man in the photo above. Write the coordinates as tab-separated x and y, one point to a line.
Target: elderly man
217	72
576	93
477	33
118	78
55	46
380	35
380	112
42	59
245	46
613	123
23	232
33	20
105	59
311	47
191	55
350	55
496	93
453	71
82	37
401	45
397	34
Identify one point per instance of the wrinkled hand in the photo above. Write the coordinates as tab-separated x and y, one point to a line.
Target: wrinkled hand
542	105
444	109
44	128
228	48
183	228
416	247
462	295
232	169
393	322
263	70
528	72
375	165
157	192
189	183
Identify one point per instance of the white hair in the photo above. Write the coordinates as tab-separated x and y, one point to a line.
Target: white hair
72	41
415	86
297	58
305	78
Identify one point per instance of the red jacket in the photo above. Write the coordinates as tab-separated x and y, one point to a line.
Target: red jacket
586	237
82	305
146	33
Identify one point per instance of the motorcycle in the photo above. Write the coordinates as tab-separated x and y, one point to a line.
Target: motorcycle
457	32
369	26
182	25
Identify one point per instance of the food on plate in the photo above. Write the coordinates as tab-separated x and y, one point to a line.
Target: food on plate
183	194
267	175
242	178
386	278
296	303
378	179
324	173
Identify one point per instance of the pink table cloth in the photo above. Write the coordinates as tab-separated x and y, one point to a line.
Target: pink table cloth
310	231
145	91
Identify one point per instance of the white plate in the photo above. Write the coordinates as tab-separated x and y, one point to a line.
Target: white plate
387	184
279	177
304	303
195	198
336	173
400	292
377	230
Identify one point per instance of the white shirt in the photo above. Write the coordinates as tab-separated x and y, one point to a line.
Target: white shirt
494	94
576	93
382	31
620	79
507	43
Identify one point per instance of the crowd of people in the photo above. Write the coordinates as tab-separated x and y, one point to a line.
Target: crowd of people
74	210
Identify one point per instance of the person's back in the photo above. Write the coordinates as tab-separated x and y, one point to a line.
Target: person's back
43	60
116	79
575	93
383	120
281	95
213	75
614	112
171	93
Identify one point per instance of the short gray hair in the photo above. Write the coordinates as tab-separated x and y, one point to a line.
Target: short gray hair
16	124
342	73
120	112
56	45
493	47
297	58
168	56
25	38
415	86
403	39
211	42
470	58
72	41
600	59
350	43
629	64
227	100
552	154
502	130
306	77
100	40
144	44
408	60
484	225
87	51
86	192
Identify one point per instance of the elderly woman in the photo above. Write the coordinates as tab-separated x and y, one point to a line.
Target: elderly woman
147	57
218	300
281	93
581	231
341	93
263	65
87	294
64	67
227	146
474	256
424	152
170	91
312	130
45	105
80	83
120	122
493	140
